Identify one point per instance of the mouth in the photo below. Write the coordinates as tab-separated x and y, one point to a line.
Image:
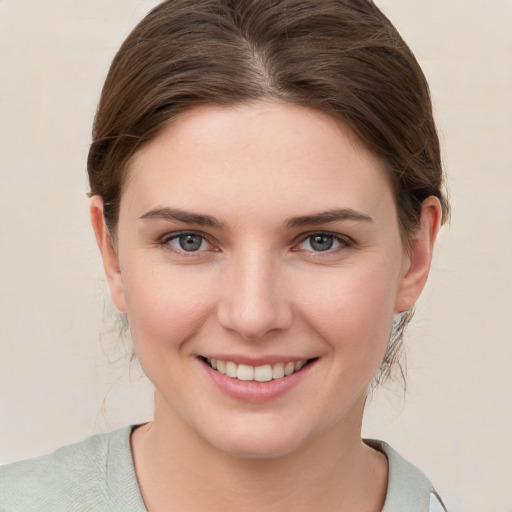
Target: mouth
263	373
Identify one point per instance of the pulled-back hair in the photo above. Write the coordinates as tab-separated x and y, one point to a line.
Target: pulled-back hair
341	57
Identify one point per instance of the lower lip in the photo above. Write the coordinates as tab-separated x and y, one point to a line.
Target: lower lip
256	392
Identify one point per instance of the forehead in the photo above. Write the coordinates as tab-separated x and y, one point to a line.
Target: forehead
256	154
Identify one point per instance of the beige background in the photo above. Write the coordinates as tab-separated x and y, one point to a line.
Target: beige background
64	374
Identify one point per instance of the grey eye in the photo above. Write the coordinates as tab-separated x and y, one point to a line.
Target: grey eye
321	242
190	242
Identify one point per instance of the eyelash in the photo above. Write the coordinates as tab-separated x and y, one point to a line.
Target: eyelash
343	241
165	242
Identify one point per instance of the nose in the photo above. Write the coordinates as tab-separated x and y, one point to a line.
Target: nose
253	299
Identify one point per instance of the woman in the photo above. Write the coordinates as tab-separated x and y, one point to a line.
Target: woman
266	191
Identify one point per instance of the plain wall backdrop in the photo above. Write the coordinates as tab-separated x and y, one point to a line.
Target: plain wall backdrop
65	375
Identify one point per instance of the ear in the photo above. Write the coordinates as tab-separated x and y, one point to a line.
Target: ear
419	257
108	253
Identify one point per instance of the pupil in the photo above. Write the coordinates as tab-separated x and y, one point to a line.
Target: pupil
321	242
190	242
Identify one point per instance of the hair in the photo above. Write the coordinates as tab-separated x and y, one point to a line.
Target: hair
341	57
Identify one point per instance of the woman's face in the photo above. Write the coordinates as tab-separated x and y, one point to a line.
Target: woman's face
257	239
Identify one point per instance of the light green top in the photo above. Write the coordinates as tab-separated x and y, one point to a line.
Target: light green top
98	475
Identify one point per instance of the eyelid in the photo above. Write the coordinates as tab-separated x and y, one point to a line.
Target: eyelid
344	240
168	237
164	240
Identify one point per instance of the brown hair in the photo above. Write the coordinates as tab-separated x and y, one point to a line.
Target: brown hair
341	57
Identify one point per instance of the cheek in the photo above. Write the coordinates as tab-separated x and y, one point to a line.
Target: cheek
165	306
353	311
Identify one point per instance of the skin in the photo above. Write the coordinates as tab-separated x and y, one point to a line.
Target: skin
258	289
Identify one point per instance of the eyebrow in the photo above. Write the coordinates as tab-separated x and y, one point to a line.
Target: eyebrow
175	214
327	217
178	215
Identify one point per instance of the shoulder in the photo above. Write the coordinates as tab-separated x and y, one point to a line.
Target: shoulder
436	504
409	490
83	476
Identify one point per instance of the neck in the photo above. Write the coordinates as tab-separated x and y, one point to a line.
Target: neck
178	470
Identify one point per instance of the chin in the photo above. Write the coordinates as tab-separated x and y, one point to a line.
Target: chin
257	440
263	449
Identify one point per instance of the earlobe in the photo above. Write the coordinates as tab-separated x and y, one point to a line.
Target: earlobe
420	253
108	253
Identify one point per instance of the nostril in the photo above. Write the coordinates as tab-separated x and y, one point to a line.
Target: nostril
255	319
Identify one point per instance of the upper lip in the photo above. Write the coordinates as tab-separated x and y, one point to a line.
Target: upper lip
255	361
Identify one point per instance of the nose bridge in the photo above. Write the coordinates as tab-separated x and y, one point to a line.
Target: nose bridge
253	302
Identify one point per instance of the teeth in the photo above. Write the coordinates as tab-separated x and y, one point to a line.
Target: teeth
299	365
263	373
278	371
245	372
289	369
231	369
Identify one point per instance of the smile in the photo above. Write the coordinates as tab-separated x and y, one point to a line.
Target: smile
264	373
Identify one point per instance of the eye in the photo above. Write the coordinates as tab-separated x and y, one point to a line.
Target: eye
187	242
323	242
